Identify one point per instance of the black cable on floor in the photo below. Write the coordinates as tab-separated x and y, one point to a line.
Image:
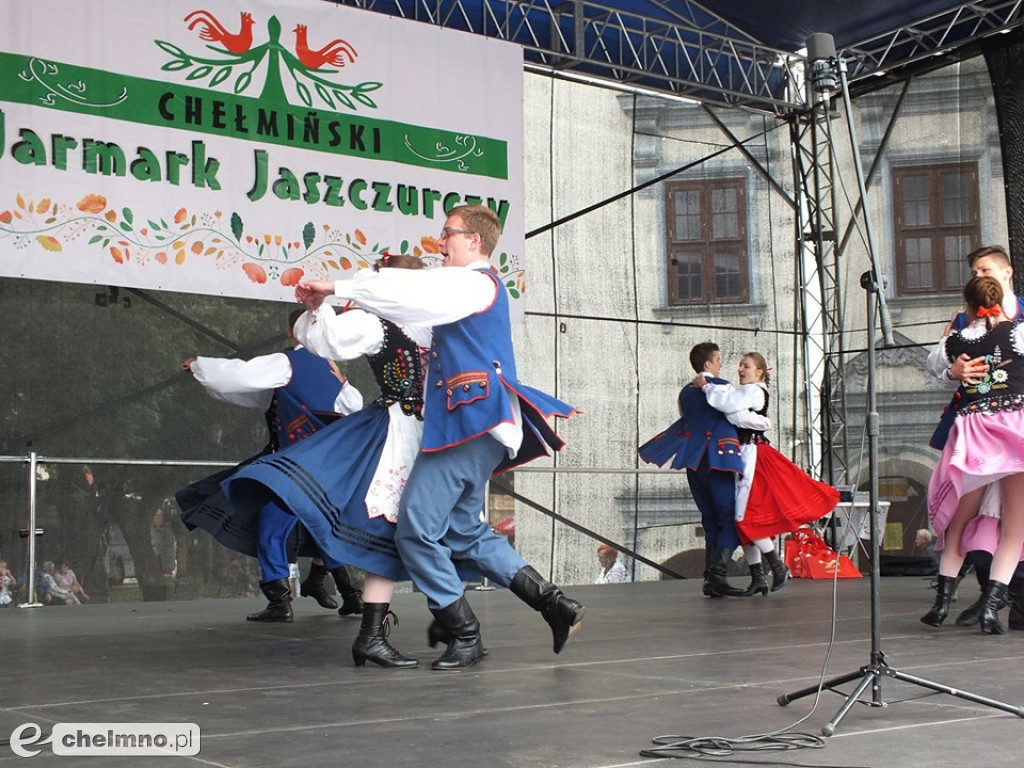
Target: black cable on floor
711	747
722	746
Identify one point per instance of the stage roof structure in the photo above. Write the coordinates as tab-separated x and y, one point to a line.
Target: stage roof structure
731	53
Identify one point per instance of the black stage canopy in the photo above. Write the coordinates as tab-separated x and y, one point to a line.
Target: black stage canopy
738	53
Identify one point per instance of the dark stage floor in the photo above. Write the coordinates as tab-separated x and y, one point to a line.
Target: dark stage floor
650	659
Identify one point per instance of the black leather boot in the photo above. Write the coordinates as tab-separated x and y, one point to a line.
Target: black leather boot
780	573
758	583
944	588
988	619
465	646
371	644
280	606
1015	592
563	614
709	588
715	583
313	586
969	616
351	598
438	634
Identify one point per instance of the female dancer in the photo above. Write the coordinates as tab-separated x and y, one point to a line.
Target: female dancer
345	481
985	447
774	495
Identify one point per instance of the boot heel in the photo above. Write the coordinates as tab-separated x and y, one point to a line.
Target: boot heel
371	644
944	586
995	598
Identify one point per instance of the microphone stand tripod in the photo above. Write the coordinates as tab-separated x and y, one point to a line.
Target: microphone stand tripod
878	668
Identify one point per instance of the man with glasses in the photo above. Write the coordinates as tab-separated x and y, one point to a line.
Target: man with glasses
479	420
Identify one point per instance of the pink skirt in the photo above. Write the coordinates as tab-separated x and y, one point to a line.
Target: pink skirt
982	448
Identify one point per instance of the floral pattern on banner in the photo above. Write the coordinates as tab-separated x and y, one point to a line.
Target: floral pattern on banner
264	257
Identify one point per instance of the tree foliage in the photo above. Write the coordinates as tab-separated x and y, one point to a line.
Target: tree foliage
94	373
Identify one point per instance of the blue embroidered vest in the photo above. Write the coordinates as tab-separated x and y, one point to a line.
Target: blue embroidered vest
470	362
312	390
700	430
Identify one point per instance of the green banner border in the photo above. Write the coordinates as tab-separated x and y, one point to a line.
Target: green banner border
83	90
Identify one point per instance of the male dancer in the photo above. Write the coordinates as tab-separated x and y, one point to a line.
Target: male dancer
706	443
298	390
479	420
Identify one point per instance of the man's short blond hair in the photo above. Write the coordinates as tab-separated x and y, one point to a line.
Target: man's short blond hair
483	221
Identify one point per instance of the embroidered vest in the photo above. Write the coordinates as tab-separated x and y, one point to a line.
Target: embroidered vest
470	362
313	389
398	371
706	430
1002	388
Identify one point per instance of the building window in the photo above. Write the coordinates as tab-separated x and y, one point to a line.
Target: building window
707	242
937	225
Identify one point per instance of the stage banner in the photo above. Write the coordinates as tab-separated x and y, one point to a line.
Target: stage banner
237	148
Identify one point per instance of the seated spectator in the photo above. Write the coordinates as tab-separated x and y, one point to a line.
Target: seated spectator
7	585
612	571
68	581
41	586
54	595
924	545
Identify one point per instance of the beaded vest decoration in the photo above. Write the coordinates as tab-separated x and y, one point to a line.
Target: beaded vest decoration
1002	386
398	371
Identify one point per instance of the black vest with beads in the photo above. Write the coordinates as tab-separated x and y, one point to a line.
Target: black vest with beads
1002	387
398	371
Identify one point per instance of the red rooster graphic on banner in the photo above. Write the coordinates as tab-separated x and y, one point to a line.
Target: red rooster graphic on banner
334	53
214	31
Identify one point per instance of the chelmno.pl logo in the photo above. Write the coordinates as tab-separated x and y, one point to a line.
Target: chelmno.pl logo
108	739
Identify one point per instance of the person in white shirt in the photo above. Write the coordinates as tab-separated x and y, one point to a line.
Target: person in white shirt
300	393
479	420
345	482
987	261
612	571
773	495
984	449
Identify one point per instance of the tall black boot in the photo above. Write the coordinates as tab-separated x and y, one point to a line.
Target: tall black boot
944	588
563	614
436	633
371	644
715	583
988	619
758	583
1016	594
969	616
280	606
313	586
351	598
465	646
709	588
780	573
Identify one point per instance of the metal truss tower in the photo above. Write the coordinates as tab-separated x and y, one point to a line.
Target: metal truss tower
685	49
820	298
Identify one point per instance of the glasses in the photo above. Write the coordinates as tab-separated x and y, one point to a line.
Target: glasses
448	232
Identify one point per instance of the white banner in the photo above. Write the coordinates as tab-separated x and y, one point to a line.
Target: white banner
235	148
